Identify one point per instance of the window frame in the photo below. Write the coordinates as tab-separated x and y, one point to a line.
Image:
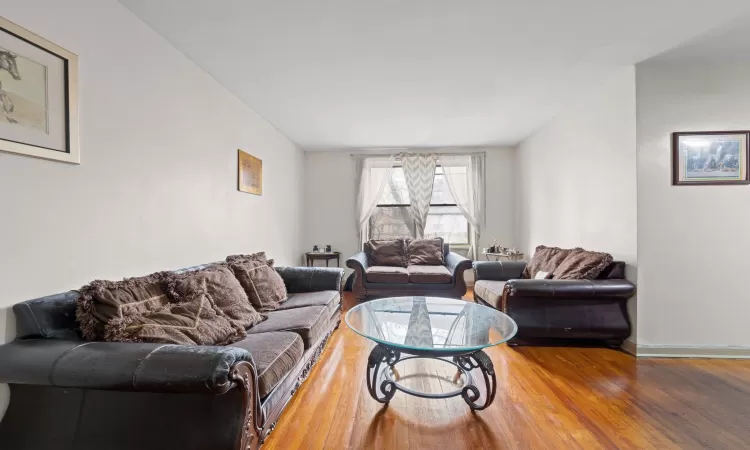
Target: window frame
404	205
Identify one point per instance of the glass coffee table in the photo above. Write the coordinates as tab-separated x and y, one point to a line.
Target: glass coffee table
452	331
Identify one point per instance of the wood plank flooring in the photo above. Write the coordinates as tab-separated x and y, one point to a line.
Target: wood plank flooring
572	398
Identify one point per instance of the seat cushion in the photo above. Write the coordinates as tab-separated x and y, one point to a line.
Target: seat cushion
490	291
387	274
429	274
309	322
329	299
275	354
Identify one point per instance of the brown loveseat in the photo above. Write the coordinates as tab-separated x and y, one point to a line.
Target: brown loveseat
558	310
400	278
70	393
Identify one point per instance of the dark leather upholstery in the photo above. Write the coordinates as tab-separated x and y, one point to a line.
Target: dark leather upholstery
553	309
364	287
119	366
311	279
133	386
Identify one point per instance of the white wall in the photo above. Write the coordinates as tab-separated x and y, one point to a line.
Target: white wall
330	197
692	240
577	177
157	185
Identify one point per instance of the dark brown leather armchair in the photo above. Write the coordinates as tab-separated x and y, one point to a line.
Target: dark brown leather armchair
550	310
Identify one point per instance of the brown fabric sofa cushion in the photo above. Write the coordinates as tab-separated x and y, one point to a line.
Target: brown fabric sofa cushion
194	321
546	259
225	292
387	274
260	256
425	252
275	354
386	253
490	291
264	287
311	323
582	264
105	304
429	274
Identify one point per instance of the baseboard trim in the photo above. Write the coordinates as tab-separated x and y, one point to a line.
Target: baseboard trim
686	351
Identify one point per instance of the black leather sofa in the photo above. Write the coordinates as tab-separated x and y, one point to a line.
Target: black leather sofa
557	311
67	393
436	281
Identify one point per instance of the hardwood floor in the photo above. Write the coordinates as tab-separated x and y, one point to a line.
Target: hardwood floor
585	398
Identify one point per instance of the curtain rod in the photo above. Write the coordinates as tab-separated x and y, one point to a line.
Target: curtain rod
437	152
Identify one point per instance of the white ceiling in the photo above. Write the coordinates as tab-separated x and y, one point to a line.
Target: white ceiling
339	74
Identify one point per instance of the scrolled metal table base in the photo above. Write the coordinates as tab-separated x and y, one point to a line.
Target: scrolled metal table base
382	376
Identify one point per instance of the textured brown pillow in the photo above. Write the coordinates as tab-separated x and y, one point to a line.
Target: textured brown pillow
260	256
225	292
386	253
106	304
194	321
582	264
546	259
425	252
264	287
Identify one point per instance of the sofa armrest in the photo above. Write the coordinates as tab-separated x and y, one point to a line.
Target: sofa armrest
579	289
498	270
456	264
120	366
311	279
358	261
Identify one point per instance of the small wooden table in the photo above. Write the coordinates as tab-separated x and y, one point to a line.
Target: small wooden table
326	256
497	256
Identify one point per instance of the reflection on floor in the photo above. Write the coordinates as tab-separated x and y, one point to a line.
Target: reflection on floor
547	398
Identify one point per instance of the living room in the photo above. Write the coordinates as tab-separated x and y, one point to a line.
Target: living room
478	144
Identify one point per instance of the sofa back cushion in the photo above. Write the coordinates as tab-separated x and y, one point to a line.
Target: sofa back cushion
218	283
386	253
425	252
49	317
582	264
264	287
614	271
545	259
106	304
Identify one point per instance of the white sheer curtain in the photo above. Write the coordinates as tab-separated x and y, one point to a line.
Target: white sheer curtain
464	175
419	171
373	173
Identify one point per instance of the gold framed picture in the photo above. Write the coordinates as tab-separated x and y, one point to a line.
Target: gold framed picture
249	173
38	96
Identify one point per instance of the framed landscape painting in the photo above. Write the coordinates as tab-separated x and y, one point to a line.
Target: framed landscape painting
38	96
249	173
710	157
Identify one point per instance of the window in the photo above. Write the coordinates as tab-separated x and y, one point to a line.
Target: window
391	219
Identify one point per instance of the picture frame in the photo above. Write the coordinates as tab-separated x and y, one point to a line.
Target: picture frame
249	173
38	96
710	158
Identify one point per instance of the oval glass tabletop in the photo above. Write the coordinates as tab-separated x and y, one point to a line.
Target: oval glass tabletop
430	324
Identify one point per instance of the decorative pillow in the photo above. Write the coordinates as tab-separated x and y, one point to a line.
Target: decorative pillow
106	304
546	259
582	264
219	284
386	253
541	275
425	252
194	321
264	287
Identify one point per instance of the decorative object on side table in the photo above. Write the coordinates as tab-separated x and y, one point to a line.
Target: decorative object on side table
326	256
316	249
328	249
249	173
710	157
454	332
38	96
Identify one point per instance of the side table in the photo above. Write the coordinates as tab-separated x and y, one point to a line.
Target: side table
311	257
497	256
